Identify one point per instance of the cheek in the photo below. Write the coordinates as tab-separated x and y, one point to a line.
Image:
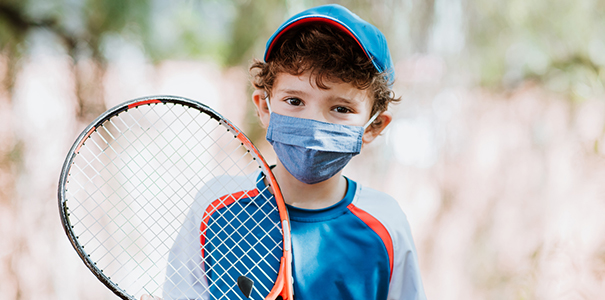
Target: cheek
353	120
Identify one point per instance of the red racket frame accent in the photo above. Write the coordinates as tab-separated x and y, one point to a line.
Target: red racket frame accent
283	283
133	105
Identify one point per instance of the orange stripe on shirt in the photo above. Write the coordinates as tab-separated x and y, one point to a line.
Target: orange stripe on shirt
219	203
377	227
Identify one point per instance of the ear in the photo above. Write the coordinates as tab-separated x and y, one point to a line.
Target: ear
258	97
379	124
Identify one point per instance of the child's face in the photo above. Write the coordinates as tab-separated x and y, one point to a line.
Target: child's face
342	103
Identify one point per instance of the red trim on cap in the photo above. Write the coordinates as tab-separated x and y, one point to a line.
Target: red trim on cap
313	20
377	227
219	203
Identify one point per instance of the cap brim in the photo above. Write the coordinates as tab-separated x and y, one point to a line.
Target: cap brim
309	20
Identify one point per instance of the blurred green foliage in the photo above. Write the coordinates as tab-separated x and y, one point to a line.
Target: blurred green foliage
560	43
500	43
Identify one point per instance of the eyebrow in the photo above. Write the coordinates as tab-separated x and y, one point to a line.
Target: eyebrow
348	101
302	93
292	92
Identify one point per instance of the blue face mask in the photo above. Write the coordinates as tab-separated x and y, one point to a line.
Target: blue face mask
313	151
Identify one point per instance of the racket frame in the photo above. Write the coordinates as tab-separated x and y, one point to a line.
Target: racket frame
283	283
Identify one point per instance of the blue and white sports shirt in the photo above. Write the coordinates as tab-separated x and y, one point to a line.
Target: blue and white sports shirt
359	248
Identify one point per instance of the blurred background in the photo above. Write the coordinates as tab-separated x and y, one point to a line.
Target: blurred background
496	152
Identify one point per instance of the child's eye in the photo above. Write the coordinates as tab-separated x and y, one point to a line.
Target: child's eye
294	101
342	110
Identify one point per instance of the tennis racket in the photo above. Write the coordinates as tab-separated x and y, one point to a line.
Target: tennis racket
163	196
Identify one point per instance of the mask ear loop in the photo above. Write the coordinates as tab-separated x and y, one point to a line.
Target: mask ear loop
369	122
268	105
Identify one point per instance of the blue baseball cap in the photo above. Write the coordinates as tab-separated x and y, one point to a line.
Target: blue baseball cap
370	39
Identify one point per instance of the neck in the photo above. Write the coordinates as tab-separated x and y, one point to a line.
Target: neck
310	196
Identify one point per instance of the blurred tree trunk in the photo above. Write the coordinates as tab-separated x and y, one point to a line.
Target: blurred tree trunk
88	75
15	26
11	148
10	164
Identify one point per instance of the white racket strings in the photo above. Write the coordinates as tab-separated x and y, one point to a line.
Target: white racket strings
135	179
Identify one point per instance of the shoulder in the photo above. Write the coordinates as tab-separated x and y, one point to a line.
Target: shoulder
226	184
381	206
406	282
387	213
221	186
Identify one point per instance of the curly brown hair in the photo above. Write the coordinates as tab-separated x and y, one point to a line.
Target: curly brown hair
330	55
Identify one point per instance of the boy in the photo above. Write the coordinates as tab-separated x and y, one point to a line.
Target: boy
322	92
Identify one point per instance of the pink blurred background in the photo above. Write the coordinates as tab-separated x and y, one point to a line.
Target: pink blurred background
496	153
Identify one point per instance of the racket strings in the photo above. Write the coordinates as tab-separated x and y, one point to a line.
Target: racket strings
99	189
240	233
126	181
231	231
126	163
